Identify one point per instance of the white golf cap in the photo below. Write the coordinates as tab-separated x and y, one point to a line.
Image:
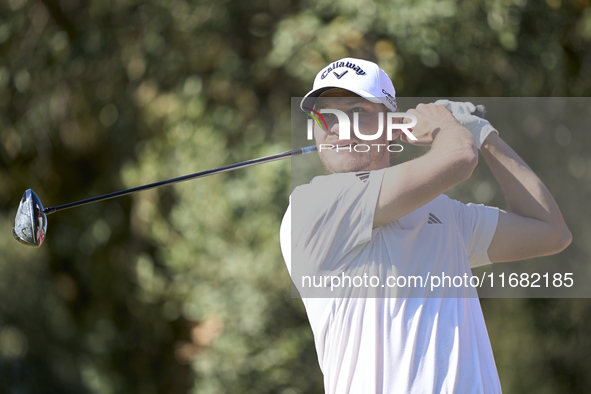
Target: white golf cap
359	76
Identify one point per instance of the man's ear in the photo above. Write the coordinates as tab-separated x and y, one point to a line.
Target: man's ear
391	142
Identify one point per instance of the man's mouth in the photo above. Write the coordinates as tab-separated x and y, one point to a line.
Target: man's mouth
343	144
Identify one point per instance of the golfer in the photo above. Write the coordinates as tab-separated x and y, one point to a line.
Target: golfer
350	239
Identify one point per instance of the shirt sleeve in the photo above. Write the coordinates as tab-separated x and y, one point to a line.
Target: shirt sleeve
331	219
477	224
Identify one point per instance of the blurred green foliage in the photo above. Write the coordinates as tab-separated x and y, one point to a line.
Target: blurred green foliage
183	289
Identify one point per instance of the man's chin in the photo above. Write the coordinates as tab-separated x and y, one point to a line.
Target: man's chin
338	162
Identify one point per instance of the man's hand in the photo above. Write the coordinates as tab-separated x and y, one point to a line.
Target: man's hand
478	127
431	119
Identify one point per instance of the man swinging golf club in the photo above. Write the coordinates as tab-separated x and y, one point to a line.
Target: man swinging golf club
393	225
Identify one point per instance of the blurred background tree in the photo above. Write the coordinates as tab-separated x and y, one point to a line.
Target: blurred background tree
183	289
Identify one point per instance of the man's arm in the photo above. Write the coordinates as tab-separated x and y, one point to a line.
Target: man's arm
451	160
532	226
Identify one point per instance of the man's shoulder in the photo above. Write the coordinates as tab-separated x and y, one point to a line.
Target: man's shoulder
442	201
444	204
435	211
340	177
333	181
456	210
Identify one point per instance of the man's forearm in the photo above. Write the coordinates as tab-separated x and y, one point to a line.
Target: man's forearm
525	193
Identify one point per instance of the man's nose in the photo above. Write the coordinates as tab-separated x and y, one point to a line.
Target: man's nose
334	126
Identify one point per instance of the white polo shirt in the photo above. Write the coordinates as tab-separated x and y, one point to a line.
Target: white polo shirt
386	328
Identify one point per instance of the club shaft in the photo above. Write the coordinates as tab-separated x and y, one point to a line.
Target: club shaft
231	167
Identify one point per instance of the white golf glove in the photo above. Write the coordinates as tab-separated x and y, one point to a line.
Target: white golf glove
480	128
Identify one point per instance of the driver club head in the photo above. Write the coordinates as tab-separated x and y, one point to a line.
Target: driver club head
30	223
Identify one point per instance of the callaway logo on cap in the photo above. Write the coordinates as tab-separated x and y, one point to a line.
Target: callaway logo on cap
361	77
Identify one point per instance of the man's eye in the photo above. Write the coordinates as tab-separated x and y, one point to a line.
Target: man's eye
357	109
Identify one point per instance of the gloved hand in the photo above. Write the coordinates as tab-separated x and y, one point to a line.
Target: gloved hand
480	128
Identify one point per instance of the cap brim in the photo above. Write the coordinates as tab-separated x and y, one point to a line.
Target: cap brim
310	99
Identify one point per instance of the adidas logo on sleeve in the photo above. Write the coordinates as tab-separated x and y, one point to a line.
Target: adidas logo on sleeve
433	219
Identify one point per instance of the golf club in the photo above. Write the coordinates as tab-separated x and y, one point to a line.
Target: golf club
30	223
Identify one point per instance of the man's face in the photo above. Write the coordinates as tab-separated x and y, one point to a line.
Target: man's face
346	159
